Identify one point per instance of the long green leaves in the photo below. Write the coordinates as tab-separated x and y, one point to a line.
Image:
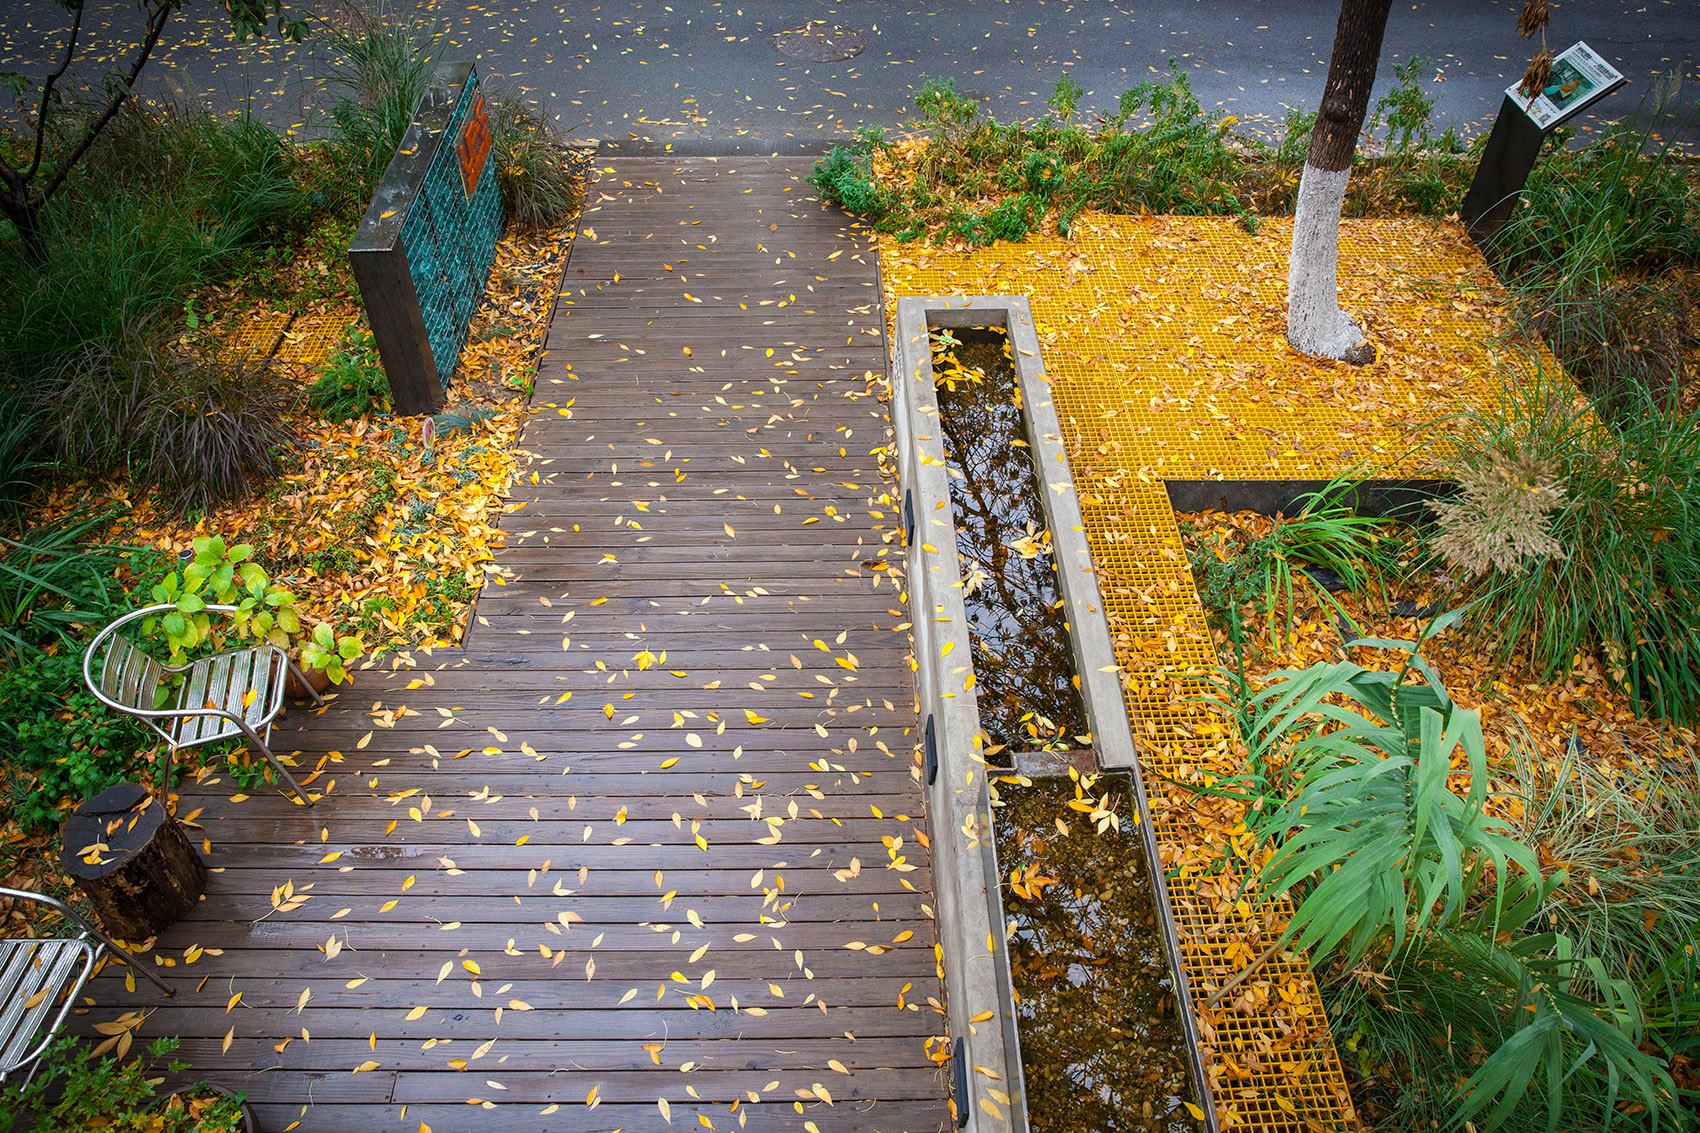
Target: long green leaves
1365	820
52	582
1433	921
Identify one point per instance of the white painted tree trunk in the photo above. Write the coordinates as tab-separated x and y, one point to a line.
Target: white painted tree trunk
1315	323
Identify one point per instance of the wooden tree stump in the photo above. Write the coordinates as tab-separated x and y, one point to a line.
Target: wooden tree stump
132	861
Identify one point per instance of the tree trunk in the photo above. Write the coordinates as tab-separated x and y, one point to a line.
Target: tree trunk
1315	323
24	214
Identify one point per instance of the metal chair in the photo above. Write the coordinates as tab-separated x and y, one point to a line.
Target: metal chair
39	978
235	693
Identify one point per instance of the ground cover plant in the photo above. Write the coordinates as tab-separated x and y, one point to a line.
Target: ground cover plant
73	1091
964	177
1550	980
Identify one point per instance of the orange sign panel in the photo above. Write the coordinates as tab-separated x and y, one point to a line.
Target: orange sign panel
473	146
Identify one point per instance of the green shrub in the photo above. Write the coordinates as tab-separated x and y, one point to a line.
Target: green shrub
161	207
1626	584
976	180
845	176
73	1093
353	383
540	175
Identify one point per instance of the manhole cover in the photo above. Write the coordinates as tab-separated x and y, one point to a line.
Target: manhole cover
821	42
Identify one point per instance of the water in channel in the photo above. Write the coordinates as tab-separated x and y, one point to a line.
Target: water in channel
1102	1048
1025	684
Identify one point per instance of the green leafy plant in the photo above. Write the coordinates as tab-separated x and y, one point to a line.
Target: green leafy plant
228	576
1346	782
59	743
353	383
1426	917
1462	1030
845	176
74	1093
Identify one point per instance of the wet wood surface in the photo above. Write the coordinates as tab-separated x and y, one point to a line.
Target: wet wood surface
646	853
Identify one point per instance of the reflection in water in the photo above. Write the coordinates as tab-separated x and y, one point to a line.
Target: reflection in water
1101	1047
1026	688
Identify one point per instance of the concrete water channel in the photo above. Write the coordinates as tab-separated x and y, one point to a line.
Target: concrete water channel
991	1077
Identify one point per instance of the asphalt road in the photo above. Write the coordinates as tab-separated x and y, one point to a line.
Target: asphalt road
707	77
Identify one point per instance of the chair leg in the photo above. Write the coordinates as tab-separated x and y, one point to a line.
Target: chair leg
265	750
135	964
301	676
165	775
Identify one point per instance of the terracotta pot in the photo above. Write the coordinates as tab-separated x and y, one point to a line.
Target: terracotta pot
294	690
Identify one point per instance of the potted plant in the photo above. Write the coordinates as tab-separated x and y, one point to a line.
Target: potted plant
222	575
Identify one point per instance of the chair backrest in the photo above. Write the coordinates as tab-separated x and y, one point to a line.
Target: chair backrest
129	676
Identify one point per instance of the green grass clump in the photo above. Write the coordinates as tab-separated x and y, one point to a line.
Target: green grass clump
353	383
381	64
539	174
1625	583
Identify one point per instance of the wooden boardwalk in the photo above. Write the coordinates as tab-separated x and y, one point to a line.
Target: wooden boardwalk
645	854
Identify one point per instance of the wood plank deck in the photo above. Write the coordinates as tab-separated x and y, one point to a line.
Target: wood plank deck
612	852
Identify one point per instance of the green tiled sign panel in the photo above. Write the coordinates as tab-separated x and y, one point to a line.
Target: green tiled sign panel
424	249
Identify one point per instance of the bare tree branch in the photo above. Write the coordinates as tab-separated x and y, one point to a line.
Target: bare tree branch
158	16
47	86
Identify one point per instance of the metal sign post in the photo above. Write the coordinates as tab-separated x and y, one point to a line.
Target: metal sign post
1579	79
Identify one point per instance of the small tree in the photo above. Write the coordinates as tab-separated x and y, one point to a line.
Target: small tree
26	188
1315	323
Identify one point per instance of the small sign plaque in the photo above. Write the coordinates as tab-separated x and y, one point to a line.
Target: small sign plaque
473	146
1579	79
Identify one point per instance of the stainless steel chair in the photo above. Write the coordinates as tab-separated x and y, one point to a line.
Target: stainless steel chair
235	693
40	979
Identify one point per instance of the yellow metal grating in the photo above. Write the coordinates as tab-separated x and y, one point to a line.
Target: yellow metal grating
255	336
311	338
1164	339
